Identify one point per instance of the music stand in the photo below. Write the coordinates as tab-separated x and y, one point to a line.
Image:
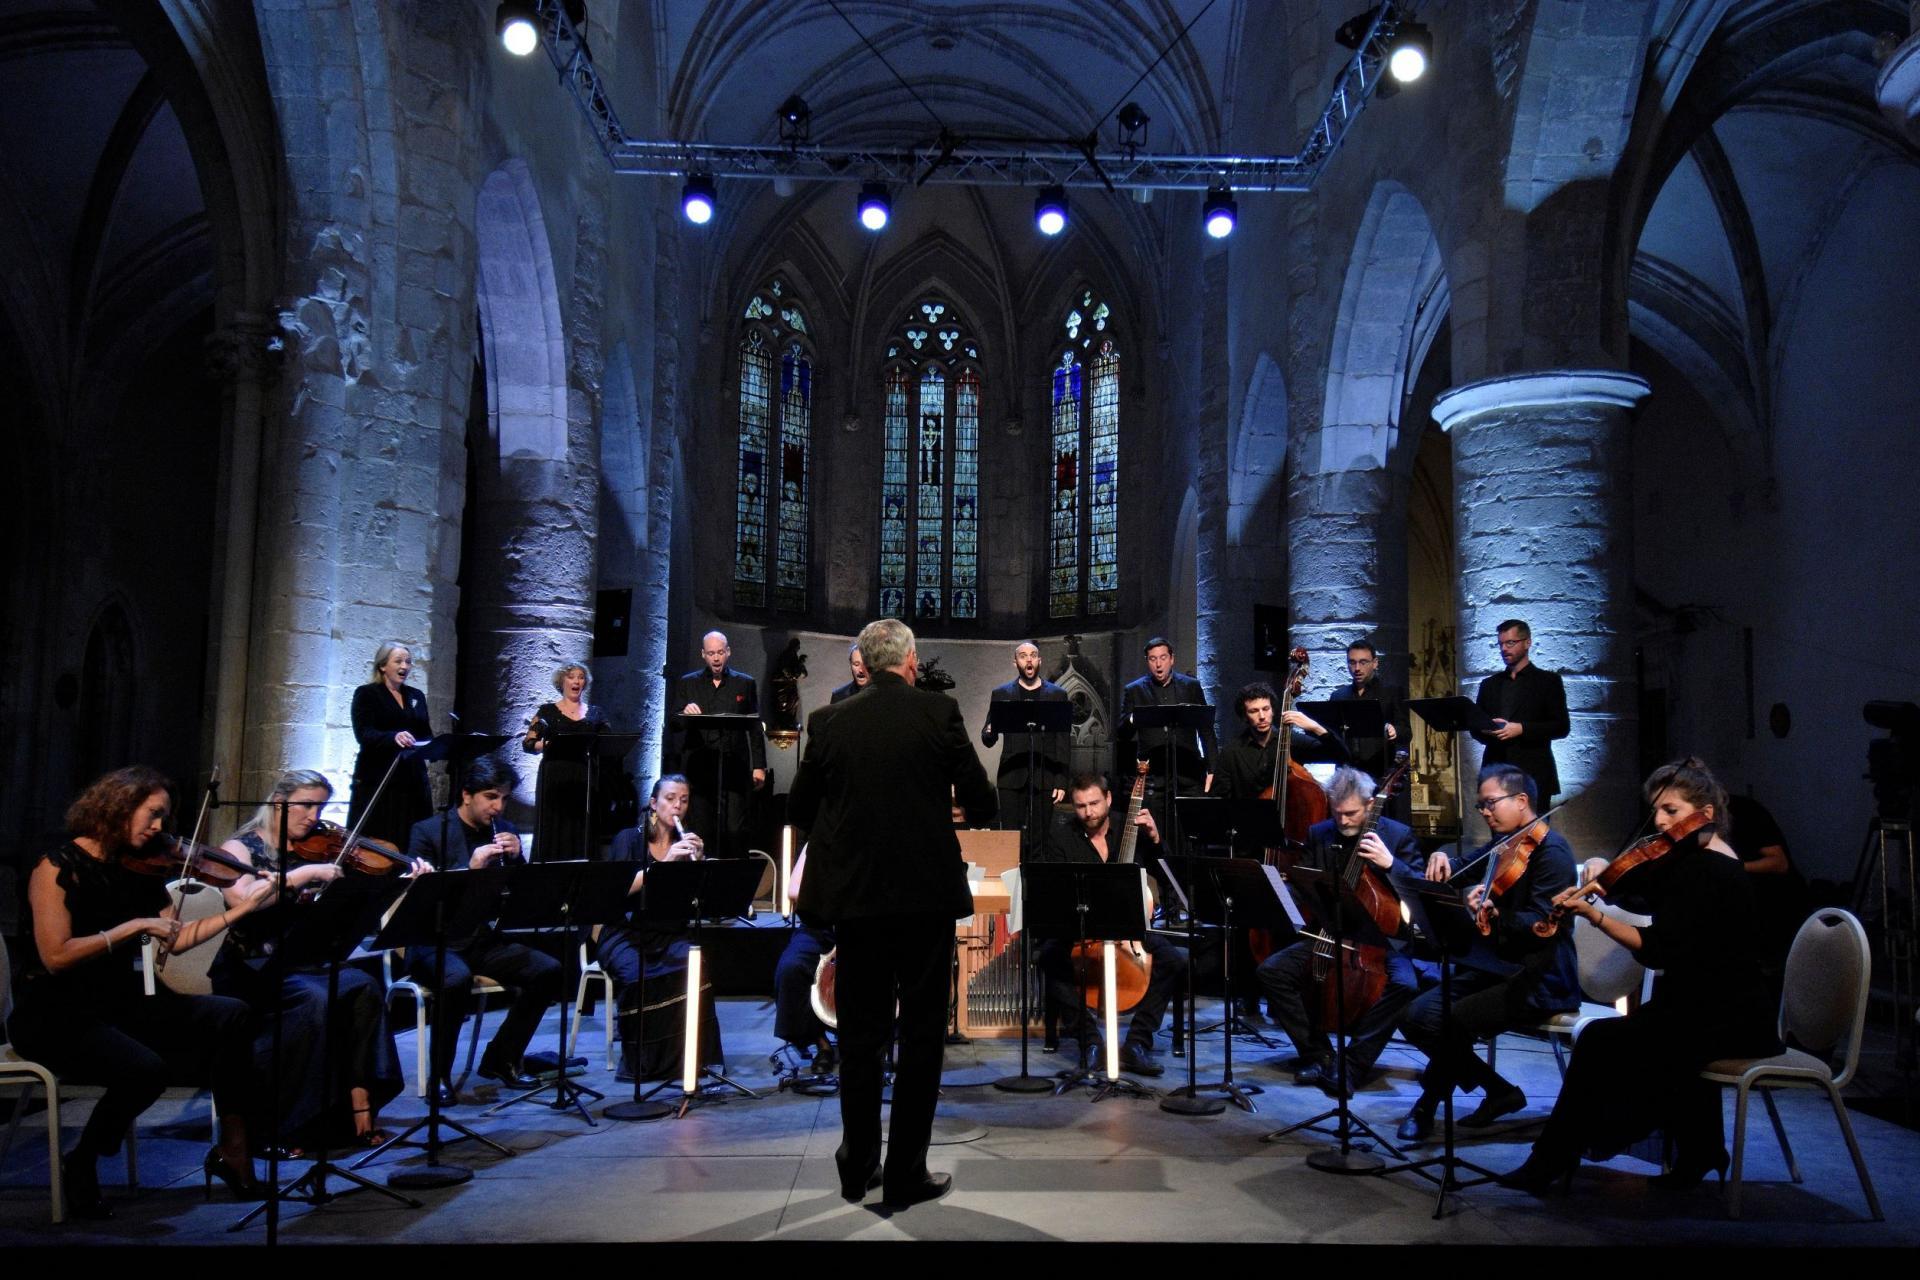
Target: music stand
566	895
1187	1099
1349	718
721	723
1241	825
1190	716
1454	716
1031	718
1331	904
688	893
589	749
437	907
331	925
1089	901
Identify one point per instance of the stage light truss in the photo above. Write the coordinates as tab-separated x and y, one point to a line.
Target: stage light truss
957	161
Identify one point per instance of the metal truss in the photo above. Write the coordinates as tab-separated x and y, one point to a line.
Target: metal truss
954	159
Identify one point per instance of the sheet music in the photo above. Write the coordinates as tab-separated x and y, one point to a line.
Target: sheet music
1286	898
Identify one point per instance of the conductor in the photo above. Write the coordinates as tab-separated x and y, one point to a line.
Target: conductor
875	791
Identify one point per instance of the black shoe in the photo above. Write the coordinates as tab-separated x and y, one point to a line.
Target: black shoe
856	1180
1311	1076
1687	1174
932	1187
506	1073
1140	1061
243	1184
441	1092
81	1182
1493	1106
1534	1176
1330	1082
1417	1125
825	1061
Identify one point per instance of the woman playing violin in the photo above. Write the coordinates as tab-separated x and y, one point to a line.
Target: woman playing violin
366	1071
81	1010
1635	1074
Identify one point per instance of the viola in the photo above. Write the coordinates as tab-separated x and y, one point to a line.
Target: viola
331	842
170	856
1633	857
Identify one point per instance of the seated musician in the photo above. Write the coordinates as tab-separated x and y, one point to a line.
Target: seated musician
1287	976
1088	834
476	837
794	1021
1245	767
651	961
1511	978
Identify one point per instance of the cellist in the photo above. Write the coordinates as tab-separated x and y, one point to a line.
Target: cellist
1514	977
1287	976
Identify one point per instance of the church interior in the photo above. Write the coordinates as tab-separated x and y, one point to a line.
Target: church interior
388	335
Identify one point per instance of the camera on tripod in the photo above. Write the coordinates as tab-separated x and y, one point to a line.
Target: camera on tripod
1893	762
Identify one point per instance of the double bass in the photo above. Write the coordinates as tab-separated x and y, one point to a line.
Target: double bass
1299	800
1356	981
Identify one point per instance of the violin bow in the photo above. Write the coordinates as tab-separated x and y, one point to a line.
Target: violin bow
164	949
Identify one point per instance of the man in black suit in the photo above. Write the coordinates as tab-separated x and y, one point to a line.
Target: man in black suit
1375	755
738	759
1529	710
1193	750
875	791
859	681
1049	749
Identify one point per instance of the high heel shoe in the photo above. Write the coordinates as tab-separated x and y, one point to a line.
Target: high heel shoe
1688	1174
243	1185
373	1135
81	1182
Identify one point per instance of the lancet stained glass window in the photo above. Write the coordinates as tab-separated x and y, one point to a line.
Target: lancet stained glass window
772	490
1083	567
930	468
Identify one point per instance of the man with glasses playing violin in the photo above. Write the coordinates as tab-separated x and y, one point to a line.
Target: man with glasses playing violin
1511	977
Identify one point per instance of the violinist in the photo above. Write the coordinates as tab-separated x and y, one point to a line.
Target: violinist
366	1070
80	1008
389	716
632	950
1287	975
1632	1075
476	837
1090	835
1245	766
1513	977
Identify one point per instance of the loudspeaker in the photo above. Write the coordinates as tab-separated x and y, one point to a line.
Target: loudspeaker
612	615
1270	647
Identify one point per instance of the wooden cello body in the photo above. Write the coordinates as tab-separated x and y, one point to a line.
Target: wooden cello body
1350	988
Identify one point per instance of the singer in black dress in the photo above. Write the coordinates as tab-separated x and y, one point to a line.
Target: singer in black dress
563	826
389	715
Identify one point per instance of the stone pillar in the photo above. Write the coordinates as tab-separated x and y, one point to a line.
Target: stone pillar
1543	525
1347	564
1897	87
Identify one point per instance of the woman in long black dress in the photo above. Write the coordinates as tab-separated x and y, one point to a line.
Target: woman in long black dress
389	715
366	1070
562	824
81	1009
1630	1076
629	951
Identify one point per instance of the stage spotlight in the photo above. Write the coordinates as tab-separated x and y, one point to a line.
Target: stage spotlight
875	207
696	199
1410	52
1220	212
1050	211
513	22
795	119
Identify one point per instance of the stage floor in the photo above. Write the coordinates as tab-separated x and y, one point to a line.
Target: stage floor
1039	1168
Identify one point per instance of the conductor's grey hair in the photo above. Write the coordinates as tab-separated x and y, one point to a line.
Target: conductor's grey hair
885	644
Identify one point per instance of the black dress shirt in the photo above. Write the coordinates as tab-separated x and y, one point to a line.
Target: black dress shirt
1193	751
1245	768
1049	749
695	751
1375	755
1538	701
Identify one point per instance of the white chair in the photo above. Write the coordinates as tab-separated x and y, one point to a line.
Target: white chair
15	1069
421	996
591	972
1823	1013
1609	973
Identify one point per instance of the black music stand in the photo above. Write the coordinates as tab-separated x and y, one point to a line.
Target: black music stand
1245	827
719	723
1191	717
1438	915
588	749
1331	904
1231	893
564	895
443	905
1349	718
1089	901
1031	718
690	892
1188	1100
1454	716
331	925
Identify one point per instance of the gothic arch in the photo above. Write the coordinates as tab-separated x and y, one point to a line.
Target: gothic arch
520	319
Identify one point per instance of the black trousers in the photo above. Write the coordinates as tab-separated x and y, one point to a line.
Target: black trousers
534	977
794	1020
1054	959
884	959
136	1046
1483	1006
1287	978
724	828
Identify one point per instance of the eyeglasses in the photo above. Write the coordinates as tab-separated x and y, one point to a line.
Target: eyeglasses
1486	806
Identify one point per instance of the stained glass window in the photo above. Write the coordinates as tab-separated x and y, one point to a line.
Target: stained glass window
930	468
772	490
1083	566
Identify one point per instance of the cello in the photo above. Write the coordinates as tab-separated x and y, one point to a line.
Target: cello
1358	980
1299	800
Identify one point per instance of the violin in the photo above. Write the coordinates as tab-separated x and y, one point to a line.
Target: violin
331	842
1634	856
170	856
1506	866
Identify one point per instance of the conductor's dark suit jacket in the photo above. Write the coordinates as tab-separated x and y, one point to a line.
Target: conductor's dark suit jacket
873	793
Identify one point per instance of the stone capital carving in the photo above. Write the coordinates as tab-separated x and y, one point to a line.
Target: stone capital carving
249	349
1550	389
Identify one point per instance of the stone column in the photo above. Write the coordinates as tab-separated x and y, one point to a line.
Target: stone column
1543	524
1346	540
1897	87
